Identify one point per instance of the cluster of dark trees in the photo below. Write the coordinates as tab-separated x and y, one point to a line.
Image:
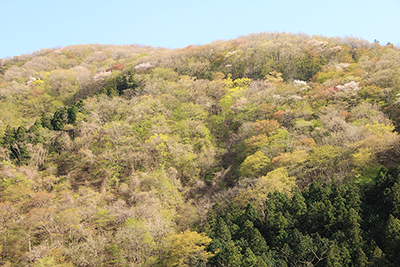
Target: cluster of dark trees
324	225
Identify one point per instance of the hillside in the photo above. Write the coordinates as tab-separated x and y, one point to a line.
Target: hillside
272	149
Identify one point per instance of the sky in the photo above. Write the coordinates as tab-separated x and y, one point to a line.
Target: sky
28	26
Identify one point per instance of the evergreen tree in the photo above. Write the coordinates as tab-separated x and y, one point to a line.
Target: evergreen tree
392	239
60	119
249	259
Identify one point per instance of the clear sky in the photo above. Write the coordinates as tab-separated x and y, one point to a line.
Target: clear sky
27	25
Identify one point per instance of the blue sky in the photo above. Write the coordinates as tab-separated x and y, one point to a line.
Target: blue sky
27	26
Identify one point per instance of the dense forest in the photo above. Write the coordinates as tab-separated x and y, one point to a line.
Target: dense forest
272	149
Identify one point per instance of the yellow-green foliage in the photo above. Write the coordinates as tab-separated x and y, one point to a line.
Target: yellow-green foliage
254	165
293	159
363	158
274	77
50	261
324	156
276	180
237	89
186	249
379	129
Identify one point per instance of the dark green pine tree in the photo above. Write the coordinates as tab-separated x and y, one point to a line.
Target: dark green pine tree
34	134
298	207
377	257
232	256
233	228
234	210
60	119
249	259
392	198
124	82
8	138
212	220
20	134
351	193
353	228
392	240
340	211
221	238
253	238
302	246
381	200
35	127
320	215
71	113
338	256
355	239
250	214
361	259
275	223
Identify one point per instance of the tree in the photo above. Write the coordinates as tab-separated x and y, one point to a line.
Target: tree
186	249
232	254
276	180
392	239
135	242
254	165
60	119
253	238
249	259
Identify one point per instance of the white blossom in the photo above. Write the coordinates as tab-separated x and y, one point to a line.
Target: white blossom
299	82
144	66
230	53
351	86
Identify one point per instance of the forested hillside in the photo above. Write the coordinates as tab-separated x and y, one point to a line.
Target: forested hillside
272	149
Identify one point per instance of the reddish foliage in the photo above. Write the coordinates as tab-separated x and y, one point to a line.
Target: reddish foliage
279	115
116	66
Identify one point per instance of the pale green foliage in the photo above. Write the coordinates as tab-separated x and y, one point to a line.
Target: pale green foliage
305	126
189	111
164	73
135	241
